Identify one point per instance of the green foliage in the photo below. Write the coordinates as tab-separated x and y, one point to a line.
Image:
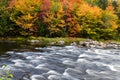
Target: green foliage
55	6
54	24
4	18
6	74
103	4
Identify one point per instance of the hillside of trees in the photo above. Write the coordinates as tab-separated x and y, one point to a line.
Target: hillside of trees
95	19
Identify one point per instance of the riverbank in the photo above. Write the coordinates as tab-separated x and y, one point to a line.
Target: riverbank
44	41
80	42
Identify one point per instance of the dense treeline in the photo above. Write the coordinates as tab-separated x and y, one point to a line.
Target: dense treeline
60	18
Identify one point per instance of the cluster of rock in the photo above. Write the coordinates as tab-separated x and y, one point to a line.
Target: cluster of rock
88	43
58	43
95	44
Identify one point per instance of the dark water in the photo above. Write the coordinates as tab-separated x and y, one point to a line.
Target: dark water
12	46
6	46
16	46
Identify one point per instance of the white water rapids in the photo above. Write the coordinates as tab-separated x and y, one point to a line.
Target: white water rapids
64	63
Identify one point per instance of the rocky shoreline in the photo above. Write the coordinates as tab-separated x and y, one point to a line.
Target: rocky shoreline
87	43
95	44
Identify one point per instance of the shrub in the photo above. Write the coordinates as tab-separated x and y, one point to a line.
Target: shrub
6	74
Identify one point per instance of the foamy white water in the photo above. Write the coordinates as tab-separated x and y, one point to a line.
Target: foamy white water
65	63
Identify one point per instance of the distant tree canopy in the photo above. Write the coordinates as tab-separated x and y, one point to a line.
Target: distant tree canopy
96	19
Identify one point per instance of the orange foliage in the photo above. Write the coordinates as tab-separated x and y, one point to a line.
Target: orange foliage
110	8
12	3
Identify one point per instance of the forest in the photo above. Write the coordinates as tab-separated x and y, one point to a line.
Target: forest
94	19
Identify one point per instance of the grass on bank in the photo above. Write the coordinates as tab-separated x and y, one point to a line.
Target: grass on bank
43	41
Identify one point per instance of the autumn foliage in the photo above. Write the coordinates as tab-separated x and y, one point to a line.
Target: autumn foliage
60	18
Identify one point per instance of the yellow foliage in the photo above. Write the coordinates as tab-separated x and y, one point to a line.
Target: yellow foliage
86	10
110	19
25	21
27	8
110	9
54	21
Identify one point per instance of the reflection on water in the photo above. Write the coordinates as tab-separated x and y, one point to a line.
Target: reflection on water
6	46
15	46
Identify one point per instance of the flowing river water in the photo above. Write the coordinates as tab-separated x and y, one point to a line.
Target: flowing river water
60	63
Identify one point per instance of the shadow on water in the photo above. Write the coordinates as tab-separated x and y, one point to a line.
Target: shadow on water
6	46
15	46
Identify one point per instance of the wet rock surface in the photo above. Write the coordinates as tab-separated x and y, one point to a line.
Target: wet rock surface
64	63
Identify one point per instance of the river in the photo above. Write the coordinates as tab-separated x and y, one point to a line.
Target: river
60	63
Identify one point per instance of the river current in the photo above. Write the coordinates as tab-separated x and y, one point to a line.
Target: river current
63	63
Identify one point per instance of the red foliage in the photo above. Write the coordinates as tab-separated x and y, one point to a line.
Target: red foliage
46	5
68	19
12	3
41	15
69	4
